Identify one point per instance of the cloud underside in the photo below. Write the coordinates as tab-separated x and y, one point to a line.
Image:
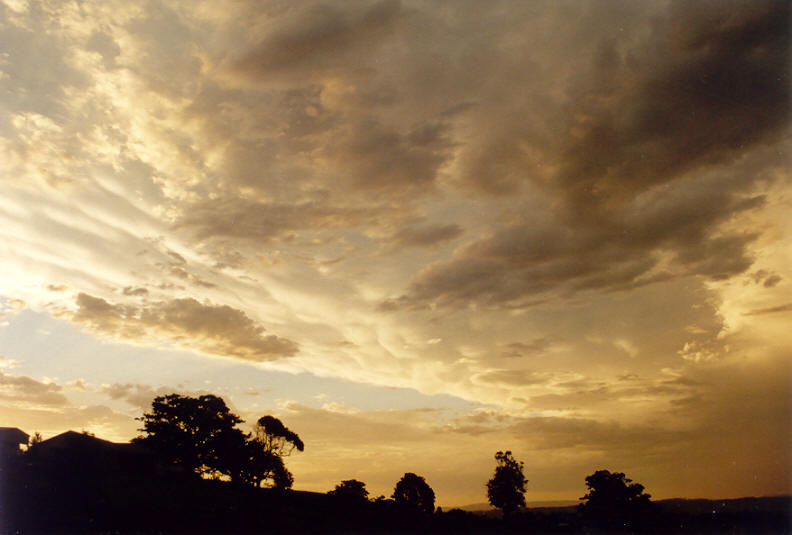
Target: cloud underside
213	329
657	154
621	158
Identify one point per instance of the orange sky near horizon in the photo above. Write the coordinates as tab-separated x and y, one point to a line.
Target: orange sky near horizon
418	232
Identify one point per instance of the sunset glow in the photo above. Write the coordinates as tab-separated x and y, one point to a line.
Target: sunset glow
418	232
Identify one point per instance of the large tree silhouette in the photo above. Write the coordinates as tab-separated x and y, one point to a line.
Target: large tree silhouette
414	493
198	434
506	488
614	502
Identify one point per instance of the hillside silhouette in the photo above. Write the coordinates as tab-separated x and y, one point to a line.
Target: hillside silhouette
192	471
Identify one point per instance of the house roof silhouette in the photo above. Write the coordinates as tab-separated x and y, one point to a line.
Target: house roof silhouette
73	439
11	438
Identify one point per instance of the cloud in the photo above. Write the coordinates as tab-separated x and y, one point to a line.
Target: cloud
701	90
138	395
264	222
129	290
318	38
770	310
427	235
522	349
509	378
710	83
215	329
21	389
673	232
510	179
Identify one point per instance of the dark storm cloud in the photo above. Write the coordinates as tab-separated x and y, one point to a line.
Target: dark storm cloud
321	37
263	222
765	278
426	235
712	81
374	157
215	329
527	260
663	142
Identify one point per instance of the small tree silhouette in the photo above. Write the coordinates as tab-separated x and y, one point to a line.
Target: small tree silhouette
413	493
506	488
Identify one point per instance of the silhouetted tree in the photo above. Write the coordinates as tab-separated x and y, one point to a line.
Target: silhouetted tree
270	443
276	438
614	502
506	488
413	493
34	441
198	434
351	490
251	464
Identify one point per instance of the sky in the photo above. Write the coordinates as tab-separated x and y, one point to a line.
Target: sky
418	232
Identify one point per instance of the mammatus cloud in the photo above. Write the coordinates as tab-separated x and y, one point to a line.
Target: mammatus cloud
215	329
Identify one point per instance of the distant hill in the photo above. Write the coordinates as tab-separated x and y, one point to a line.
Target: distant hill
692	506
765	504
484	507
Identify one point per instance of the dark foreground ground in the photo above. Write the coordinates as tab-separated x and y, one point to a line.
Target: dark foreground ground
77	496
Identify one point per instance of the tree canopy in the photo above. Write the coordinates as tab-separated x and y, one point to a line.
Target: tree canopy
506	489
200	435
351	490
195	433
614	502
276	438
414	493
